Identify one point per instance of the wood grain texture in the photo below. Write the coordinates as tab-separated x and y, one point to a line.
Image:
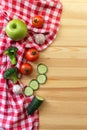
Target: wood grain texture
65	93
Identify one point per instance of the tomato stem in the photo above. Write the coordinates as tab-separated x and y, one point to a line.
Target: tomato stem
26	71
34	53
35	20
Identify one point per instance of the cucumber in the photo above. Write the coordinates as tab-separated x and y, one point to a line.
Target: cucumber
34	105
41	78
42	68
28	91
34	84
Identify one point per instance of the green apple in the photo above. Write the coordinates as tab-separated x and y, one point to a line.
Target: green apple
16	30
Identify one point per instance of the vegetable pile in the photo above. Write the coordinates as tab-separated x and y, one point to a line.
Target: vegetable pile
26	68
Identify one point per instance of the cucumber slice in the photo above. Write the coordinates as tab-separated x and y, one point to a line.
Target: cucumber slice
41	78
42	68
35	104
34	84
28	91
40	98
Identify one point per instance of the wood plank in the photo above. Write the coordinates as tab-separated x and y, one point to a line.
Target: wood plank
60	83
63	62
65	52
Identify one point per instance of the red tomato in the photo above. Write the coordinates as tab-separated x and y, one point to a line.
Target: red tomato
26	69
37	21
32	54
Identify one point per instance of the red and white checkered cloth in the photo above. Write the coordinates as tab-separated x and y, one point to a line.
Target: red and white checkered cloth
13	114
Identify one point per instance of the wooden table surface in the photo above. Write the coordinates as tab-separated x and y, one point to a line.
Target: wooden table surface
65	93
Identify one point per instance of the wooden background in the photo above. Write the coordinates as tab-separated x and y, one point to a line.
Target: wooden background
65	93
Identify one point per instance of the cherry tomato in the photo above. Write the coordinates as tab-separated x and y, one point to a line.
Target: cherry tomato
26	69
37	21
32	54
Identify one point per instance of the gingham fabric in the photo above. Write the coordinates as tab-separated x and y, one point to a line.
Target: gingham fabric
13	108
